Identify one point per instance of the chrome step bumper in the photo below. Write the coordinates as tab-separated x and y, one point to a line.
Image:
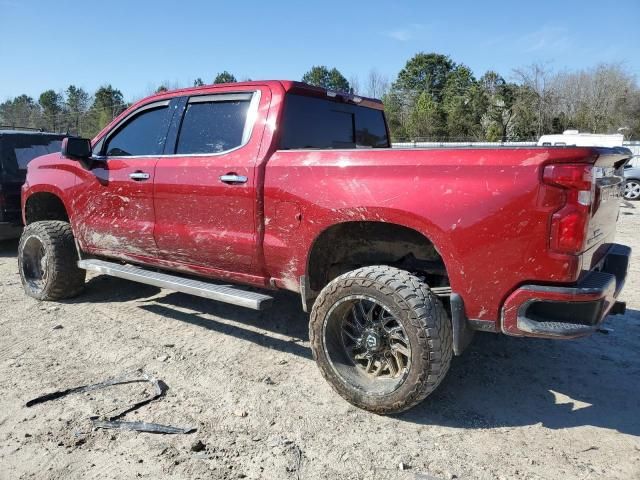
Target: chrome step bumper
559	311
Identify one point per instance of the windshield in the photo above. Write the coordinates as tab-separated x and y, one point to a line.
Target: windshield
316	123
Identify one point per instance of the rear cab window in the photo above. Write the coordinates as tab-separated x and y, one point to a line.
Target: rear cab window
317	123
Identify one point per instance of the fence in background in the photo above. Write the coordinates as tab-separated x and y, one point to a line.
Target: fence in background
633	146
460	144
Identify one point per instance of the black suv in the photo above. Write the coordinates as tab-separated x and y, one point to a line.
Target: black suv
17	149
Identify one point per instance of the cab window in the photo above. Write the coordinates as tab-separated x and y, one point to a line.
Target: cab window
143	134
214	124
315	123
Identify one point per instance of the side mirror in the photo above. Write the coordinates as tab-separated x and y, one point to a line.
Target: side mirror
76	148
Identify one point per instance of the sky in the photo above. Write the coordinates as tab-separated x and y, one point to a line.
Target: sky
137	45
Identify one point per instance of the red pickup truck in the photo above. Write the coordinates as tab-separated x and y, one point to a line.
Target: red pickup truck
399	255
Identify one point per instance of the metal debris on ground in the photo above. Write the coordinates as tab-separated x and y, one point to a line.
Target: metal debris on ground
114	422
139	426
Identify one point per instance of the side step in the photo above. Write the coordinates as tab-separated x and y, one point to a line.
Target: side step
441	291
221	293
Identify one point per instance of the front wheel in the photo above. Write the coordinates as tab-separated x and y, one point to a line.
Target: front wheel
632	189
381	338
48	261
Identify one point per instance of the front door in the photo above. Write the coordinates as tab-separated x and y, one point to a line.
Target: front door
116	194
205	193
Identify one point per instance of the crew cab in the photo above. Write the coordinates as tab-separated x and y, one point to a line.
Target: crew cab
400	255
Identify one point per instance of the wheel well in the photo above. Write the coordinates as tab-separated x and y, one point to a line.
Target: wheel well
45	206
350	245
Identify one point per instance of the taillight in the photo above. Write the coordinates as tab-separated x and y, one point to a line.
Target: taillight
569	225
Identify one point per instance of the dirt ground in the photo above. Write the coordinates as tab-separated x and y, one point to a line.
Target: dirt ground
509	408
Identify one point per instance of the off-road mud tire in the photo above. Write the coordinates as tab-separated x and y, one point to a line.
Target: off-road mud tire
424	319
63	278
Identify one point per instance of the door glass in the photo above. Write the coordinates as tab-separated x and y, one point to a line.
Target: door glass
212	127
142	135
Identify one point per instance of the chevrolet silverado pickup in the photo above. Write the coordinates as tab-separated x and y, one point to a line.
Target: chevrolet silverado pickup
231	191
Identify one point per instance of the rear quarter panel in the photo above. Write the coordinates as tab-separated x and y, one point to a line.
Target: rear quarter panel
481	208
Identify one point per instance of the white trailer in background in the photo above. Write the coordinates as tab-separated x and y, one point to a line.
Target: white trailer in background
573	137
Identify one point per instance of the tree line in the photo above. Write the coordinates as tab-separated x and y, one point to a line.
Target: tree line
74	110
433	98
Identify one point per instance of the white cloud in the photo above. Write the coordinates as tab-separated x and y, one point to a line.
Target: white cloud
548	38
400	35
406	33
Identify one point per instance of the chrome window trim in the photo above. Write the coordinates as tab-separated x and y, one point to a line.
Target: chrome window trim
357	149
221	97
252	116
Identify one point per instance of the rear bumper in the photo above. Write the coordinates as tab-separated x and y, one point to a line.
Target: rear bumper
9	231
571	311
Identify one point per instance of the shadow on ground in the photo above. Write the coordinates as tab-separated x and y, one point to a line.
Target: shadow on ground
286	318
106	289
503	381
500	381
9	248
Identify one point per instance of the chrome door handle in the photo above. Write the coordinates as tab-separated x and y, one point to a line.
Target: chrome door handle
139	176
233	178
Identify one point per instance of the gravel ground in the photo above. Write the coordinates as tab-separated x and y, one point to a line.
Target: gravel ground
509	408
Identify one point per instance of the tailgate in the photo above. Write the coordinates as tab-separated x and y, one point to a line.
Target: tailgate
609	187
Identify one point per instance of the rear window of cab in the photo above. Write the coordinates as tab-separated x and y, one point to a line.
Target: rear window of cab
316	123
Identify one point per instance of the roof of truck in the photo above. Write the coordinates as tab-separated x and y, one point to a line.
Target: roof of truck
289	86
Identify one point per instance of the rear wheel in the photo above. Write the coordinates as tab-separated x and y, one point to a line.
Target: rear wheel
632	189
381	338
47	260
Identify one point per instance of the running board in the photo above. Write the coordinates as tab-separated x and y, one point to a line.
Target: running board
441	291
221	293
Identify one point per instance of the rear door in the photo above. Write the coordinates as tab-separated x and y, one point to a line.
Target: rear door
205	191
115	198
